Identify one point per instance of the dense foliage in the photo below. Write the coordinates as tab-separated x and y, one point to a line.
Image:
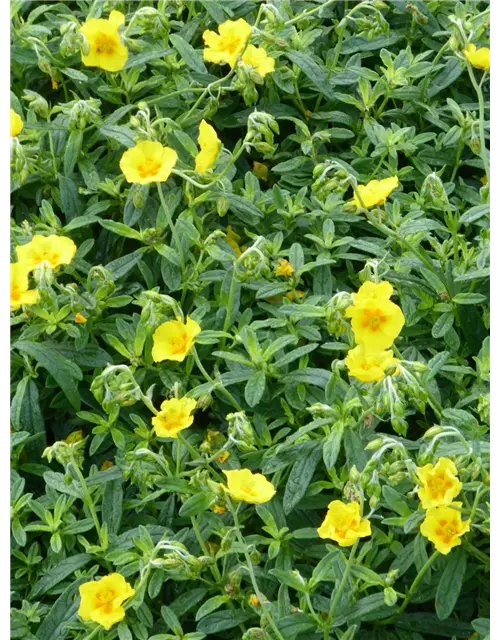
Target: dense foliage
184	309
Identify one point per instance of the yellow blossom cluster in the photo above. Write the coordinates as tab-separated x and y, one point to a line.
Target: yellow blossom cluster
53	250
376	322
438	487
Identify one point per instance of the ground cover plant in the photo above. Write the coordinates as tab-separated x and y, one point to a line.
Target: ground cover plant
249	294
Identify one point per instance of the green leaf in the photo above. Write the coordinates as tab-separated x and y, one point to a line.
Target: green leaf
222	620
64	372
442	325
190	56
120	229
316	74
70	201
210	605
368	576
469	298
112	503
55	623
290	579
255	388
73	148
196	504
290	626
121	134
475	213
171	619
396	501
331	446
59	572
450	584
300	478
26	413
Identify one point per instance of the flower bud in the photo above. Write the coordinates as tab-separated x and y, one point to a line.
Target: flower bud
390	596
433	431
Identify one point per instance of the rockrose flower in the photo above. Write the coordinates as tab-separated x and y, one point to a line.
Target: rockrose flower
106	48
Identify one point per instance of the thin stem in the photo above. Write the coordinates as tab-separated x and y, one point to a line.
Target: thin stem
265	611
178	458
480	99
310	12
412	589
87	499
175	236
340	588
216	385
93	633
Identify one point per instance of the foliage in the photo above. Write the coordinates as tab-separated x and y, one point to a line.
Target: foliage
262	251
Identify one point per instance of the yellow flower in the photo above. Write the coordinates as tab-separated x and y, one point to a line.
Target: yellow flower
209	148
443	526
295	294
173	340
20	293
80	319
250	487
16	124
226	45
484	180
258	59
106	48
101	600
148	162
232	239
378	290
74	436
343	523
284	268
107	464
218	509
253	600
375	321
375	192
368	366
175	416
223	457
55	250
260	170
439	483
479	58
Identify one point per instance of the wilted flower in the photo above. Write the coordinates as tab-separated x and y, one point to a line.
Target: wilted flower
368	366
284	268
232	239
80	319
258	59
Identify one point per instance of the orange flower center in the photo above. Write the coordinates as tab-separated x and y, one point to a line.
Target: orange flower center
15	292
105	599
104	44
373	319
232	44
342	528
51	257
149	168
446	531
179	344
440	484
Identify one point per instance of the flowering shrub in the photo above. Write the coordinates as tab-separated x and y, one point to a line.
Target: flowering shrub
249	295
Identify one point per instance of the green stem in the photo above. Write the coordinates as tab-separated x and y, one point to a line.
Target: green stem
215	384
427	77
341	586
175	236
265	610
93	633
310	12
480	99
412	589
178	458
87	499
